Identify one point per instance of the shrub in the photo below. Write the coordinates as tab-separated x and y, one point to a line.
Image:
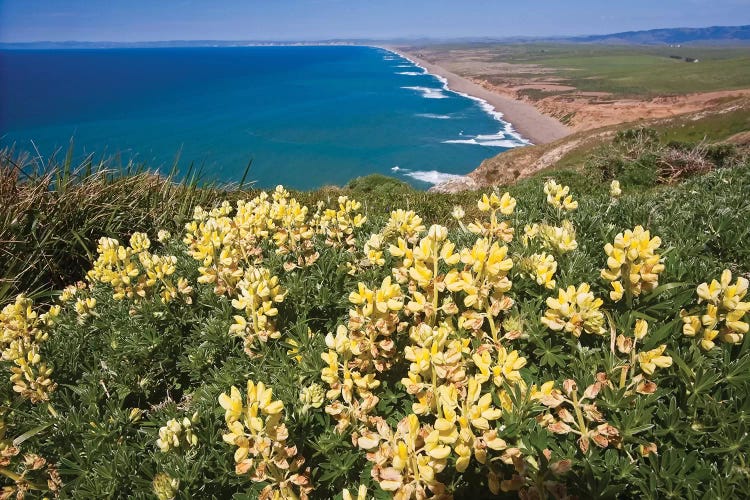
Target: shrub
272	348
375	183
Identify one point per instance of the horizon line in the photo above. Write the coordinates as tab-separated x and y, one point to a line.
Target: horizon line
365	39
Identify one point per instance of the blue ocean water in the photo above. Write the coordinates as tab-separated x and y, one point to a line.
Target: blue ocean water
305	116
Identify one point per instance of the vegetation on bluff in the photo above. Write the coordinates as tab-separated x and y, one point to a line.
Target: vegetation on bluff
575	337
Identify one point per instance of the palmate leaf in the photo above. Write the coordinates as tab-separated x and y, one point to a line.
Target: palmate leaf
738	372
548	354
672	474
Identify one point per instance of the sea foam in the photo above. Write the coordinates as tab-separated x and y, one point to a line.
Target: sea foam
428	176
434	116
432	176
429	92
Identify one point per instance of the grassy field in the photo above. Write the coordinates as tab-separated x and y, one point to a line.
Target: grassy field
622	70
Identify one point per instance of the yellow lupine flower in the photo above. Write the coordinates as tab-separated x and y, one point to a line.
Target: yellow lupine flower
22	332
654	358
575	310
139	242
558	197
560	239
505	369
541	267
404	224
641	329
407	461
724	314
165	486
547	394
312	396
176	434
614	189
256	427
339	225
487	203
507	204
361	493
633	266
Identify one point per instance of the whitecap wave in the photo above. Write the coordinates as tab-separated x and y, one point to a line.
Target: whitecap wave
429	92
432	176
396	169
500	143
434	116
500	140
410	73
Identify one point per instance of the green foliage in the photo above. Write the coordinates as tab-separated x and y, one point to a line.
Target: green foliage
376	184
123	372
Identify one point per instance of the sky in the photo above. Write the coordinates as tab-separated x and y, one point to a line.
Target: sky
157	20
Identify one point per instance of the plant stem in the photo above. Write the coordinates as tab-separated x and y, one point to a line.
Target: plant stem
579	416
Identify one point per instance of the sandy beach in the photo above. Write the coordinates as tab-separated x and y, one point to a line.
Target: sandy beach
525	118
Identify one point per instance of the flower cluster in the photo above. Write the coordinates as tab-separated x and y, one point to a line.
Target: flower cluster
575	310
22	333
84	307
133	272
403	224
442	325
257	429
633	266
177	434
541	267
312	396
339	225
557	239
558	197
724	314
373	250
407	461
223	245
357	353
32	471
257	293
495	228
614	189
165	486
293	231
484	282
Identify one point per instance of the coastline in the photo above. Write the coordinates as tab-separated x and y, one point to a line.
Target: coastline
524	118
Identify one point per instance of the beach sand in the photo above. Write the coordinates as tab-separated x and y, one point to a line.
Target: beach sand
525	118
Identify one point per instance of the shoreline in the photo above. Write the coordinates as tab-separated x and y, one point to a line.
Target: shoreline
523	117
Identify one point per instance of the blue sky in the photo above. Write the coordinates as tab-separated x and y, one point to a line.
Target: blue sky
140	20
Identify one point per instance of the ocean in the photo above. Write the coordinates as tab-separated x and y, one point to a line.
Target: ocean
305	116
